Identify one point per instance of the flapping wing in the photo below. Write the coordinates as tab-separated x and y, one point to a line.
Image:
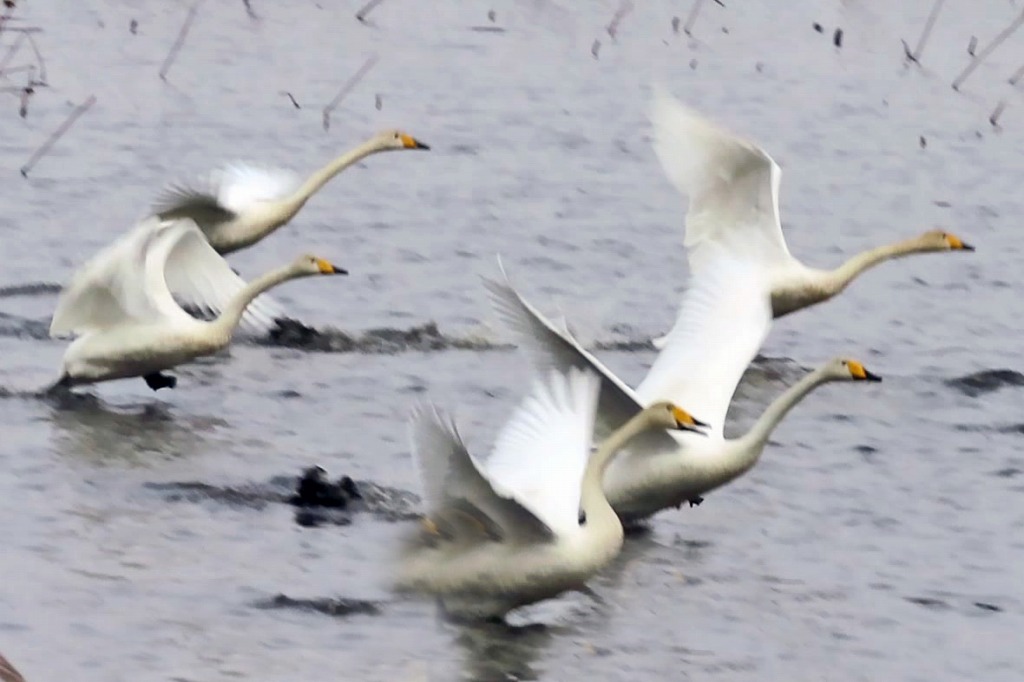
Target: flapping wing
732	184
458	497
541	452
109	289
199	277
225	193
550	347
723	320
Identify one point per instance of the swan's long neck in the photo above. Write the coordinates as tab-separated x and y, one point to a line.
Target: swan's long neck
321	177
592	497
840	278
750	445
231	315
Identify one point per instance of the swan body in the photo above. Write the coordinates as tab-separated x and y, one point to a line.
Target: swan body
126	319
534	522
733	189
723	320
242	204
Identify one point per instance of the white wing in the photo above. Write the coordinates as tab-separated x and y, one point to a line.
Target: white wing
541	452
240	186
196	275
549	347
723	320
732	184
225	193
110	288
457	495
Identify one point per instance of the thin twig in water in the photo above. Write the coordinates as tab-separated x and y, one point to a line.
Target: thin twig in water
692	19
996	42
8	673
915	56
1017	75
613	26
996	113
79	110
248	9
180	40
289	96
349	84
11	51
595	48
972	45
39	58
367	8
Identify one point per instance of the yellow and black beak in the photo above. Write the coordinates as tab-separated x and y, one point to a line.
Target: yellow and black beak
687	422
859	372
328	268
956	244
410	142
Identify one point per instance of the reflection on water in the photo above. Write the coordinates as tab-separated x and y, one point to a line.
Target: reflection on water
87	428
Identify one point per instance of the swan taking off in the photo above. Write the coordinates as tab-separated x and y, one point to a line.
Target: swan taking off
127	322
733	188
242	204
724	317
533	522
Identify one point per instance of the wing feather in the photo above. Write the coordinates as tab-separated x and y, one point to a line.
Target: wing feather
732	184
540	454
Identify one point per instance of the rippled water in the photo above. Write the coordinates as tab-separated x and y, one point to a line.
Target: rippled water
879	538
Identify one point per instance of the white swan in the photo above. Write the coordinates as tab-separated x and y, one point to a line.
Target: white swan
533	522
733	187
243	204
723	319
128	323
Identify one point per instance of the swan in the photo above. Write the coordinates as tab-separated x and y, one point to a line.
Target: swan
242	204
128	324
534	522
723	320
733	186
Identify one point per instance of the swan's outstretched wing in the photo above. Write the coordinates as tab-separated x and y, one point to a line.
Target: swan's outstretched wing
541	452
459	499
109	289
723	320
732	184
199	277
227	192
549	347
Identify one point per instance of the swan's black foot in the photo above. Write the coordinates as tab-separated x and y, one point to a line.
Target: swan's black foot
695	501
158	380
316	490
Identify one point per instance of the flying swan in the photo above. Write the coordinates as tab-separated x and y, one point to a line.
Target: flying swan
128	324
723	320
733	186
241	204
533	522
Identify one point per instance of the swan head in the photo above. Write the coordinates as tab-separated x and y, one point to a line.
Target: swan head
666	415
845	369
396	139
939	240
311	265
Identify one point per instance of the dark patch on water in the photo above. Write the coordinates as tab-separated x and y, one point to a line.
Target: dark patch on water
30	289
23	328
385	340
337	607
929	603
986	381
335	504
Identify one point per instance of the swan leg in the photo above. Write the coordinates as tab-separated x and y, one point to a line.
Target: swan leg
158	380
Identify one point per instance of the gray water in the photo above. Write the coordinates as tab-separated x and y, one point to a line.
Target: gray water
879	537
